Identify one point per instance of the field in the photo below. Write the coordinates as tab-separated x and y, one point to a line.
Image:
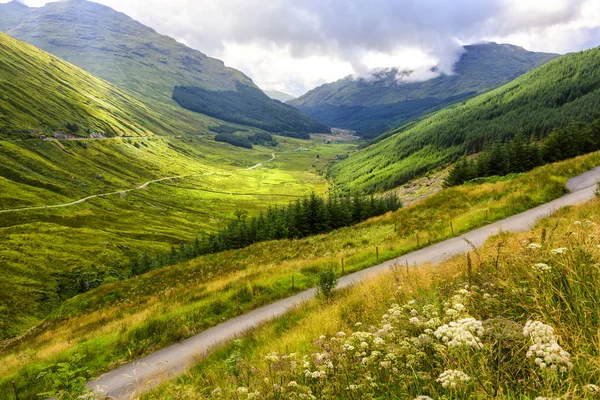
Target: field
516	319
124	320
52	254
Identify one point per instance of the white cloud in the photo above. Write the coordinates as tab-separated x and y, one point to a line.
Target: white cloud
294	45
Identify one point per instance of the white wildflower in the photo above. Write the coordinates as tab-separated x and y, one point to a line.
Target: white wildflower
561	250
272	357
242	390
415	320
592	388
452	379
423	398
293	384
545	348
541	267
534	246
217	392
464	332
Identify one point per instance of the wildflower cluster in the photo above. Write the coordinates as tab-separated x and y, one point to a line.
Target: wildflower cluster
541	268
453	379
545	350
462	333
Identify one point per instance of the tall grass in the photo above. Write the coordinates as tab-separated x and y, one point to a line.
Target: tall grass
125	320
516	319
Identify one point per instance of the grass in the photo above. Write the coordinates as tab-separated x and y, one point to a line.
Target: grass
498	287
124	320
48	254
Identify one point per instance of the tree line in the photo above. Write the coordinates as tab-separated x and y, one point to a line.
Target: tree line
521	155
309	216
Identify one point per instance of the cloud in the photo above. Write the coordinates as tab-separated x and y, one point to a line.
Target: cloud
292	45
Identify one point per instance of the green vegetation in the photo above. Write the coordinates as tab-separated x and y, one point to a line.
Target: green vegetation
49	255
517	319
563	91
234	140
519	156
247	105
124	320
44	93
389	98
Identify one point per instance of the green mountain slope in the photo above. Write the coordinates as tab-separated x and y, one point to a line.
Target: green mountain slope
559	93
41	92
375	105
114	47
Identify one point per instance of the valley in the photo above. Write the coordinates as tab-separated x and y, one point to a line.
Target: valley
172	227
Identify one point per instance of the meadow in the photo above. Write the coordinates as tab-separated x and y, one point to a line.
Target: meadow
52	254
515	319
124	320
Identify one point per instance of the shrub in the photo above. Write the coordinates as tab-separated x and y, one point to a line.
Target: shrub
327	282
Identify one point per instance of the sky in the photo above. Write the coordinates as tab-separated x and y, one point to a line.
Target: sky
296	45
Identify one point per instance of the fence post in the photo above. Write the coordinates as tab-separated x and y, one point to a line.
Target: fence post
487	214
417	240
14	385
293	283
407	266
377	252
342	266
452	228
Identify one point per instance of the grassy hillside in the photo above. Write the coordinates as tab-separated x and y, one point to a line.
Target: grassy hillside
124	320
49	255
41	92
513	279
114	47
563	91
372	106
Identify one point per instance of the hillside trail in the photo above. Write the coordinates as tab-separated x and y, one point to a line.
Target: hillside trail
125	191
135	378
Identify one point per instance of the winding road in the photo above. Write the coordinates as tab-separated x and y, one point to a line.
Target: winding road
121	192
137	377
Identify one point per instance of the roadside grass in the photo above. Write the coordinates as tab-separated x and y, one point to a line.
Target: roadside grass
51	254
125	320
504	289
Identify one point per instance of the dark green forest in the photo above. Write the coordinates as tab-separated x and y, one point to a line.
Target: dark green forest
552	97
312	215
247	106
521	155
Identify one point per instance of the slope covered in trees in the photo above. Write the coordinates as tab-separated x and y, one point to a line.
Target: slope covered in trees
518	155
553	96
247	105
390	98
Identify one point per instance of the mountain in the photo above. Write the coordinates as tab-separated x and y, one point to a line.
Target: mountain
562	92
39	91
114	47
281	96
11	14
383	101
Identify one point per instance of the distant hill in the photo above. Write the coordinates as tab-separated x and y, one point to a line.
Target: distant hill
11	14
563	91
281	96
372	106
114	47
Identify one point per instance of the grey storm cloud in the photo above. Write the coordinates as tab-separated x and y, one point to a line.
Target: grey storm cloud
349	30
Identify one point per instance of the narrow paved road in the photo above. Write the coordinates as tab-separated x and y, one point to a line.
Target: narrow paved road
132	379
121	192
